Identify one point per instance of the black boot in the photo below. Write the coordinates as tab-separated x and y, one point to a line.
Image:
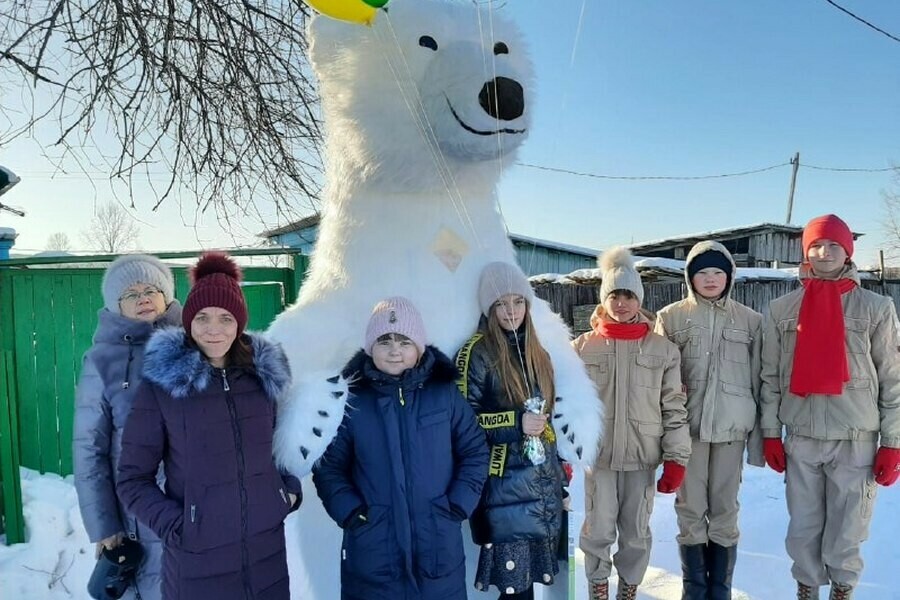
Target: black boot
720	562
694	572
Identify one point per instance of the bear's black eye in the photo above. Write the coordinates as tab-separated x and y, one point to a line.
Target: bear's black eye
426	41
501	48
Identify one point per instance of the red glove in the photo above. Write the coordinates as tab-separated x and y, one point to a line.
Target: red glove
887	466
773	450
672	477
567	469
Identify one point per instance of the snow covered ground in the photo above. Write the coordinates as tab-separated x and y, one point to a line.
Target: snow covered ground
57	560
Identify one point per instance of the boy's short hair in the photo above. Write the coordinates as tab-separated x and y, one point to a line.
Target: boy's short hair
392	336
628	294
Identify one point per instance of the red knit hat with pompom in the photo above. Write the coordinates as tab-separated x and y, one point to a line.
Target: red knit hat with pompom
216	282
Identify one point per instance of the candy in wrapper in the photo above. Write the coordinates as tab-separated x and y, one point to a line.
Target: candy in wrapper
533	448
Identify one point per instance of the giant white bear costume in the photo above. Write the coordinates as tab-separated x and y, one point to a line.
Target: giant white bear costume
422	113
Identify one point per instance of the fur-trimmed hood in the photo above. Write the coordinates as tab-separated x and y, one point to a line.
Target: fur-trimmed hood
181	370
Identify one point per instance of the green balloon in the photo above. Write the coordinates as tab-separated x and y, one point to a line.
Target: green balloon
376	3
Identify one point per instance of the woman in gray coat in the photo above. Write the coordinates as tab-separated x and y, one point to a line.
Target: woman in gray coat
138	295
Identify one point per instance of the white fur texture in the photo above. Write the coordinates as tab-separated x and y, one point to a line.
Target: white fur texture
404	175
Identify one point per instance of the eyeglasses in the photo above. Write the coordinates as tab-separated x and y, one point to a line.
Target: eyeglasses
135	297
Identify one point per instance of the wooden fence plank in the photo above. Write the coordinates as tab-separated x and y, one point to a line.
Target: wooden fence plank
26	377
45	370
13	521
64	334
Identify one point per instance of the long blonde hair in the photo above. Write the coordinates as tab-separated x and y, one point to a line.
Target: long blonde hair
537	365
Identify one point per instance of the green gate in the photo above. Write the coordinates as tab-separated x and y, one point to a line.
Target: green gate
48	313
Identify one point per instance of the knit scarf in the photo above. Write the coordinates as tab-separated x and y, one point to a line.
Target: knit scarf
820	356
622	331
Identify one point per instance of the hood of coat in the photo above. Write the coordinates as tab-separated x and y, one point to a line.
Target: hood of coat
433	366
113	328
697	250
182	370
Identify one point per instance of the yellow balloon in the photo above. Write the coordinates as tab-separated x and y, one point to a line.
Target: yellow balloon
353	11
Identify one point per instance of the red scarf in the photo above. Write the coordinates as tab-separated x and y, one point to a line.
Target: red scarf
820	357
622	331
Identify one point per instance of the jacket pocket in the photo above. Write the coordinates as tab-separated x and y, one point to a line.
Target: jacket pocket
442	548
736	346
369	552
738	407
688	342
598	366
857	335
648	371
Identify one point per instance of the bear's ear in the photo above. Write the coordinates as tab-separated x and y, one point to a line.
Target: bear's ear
326	36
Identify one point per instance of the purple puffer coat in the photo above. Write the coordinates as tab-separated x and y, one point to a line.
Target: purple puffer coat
222	511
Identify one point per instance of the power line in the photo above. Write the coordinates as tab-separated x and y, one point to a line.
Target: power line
654	177
863	21
850	170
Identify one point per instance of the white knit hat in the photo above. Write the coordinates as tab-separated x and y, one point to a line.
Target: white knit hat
396	315
130	269
499	279
618	273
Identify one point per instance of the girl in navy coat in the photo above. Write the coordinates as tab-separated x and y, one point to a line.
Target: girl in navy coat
206	410
406	467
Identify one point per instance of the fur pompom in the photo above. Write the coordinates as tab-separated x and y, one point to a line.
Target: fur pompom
618	256
215	262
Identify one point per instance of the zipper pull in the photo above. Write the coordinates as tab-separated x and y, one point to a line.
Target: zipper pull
225	381
283	496
402	401
193	513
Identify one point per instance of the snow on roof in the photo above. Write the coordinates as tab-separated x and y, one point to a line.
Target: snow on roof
7	232
582	250
722	234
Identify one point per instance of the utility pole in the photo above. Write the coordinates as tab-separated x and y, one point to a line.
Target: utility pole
796	162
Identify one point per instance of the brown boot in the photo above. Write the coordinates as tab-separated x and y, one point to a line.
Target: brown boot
626	591
805	592
599	591
840	591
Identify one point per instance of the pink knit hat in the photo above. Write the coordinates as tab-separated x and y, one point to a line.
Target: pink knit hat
395	315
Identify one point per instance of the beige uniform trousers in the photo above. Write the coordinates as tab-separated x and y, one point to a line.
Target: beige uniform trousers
830	494
707	502
617	508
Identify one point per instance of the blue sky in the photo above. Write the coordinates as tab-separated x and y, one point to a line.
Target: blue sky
657	87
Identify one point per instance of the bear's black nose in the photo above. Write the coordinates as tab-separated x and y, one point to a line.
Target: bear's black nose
502	98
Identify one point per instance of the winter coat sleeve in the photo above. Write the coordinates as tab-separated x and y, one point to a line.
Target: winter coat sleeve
500	426
470	457
659	325
770	375
676	438
143	446
91	457
291	483
332	477
755	439
887	364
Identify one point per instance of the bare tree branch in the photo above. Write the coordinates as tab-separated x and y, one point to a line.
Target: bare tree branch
890	223
58	242
112	230
216	96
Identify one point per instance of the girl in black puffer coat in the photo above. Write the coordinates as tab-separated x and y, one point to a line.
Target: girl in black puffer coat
519	518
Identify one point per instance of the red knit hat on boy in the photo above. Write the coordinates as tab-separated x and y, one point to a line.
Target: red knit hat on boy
216	282
827	227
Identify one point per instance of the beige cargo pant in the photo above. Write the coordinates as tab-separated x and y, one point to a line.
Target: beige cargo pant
707	502
617	508
830	494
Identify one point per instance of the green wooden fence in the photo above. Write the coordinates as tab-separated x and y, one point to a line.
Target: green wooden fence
48	313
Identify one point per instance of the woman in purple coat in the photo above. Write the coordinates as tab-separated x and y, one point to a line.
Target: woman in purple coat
206	410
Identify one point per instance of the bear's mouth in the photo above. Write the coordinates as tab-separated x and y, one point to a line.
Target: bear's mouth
471	129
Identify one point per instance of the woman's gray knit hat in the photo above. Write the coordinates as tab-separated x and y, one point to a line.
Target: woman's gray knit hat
499	279
130	269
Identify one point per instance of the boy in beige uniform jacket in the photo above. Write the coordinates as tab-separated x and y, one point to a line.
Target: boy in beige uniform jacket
637	376
720	342
831	378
